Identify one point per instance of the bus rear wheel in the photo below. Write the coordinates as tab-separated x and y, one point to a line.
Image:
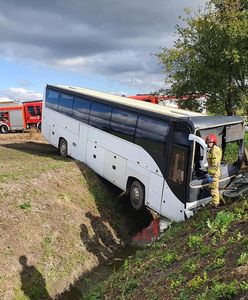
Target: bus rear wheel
137	195
4	129
63	148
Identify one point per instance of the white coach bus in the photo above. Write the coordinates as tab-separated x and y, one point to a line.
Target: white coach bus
154	153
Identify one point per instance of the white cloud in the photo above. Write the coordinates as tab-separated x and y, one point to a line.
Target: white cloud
20	94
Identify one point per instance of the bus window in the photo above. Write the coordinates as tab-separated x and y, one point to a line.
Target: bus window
123	124
65	104
100	115
152	129
81	108
180	134
151	134
52	99
217	131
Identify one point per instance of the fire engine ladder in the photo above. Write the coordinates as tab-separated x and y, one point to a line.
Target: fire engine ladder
238	188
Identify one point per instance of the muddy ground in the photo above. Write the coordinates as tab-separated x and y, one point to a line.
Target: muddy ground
58	219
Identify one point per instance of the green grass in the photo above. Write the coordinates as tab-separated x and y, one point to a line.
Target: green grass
196	259
25	206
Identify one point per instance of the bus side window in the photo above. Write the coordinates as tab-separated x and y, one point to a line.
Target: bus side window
151	134
81	109
123	124
52	99
65	104
100	115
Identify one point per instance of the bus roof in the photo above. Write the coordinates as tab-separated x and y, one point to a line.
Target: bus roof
194	119
164	110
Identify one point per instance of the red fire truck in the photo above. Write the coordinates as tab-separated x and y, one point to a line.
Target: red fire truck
155	98
18	116
146	97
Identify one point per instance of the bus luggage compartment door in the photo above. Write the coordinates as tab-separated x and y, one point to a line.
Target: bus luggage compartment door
115	169
95	157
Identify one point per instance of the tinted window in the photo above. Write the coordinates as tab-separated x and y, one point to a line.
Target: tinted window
100	115
123	124
31	110
181	134
38	111
65	103
152	129
151	134
52	99
81	109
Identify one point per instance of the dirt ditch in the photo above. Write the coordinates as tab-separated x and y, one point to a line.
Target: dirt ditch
58	220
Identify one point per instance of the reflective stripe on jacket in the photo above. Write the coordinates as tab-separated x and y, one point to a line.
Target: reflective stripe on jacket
214	161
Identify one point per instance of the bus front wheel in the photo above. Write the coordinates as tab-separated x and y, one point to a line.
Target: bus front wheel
63	148
137	195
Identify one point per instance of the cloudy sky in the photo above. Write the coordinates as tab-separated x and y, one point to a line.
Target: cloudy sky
107	45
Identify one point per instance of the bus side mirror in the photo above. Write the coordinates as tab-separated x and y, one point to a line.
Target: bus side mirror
204	148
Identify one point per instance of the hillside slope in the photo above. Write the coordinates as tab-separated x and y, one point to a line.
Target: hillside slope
205	257
58	219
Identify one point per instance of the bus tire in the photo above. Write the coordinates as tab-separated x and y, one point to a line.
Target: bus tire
4	129
63	148
137	195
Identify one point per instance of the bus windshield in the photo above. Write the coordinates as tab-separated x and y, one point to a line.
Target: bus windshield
229	138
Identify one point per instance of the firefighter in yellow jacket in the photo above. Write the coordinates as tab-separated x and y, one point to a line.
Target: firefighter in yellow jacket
214	173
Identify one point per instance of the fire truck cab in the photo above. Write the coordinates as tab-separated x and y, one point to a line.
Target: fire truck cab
32	113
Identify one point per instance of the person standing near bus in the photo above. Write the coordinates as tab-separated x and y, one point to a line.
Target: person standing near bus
214	173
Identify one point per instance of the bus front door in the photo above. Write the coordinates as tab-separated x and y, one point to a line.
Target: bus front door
174	194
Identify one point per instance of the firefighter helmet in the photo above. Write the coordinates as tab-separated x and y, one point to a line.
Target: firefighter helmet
211	138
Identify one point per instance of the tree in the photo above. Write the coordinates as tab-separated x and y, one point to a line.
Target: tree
210	57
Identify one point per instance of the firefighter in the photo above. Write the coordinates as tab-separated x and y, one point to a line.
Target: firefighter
213	176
